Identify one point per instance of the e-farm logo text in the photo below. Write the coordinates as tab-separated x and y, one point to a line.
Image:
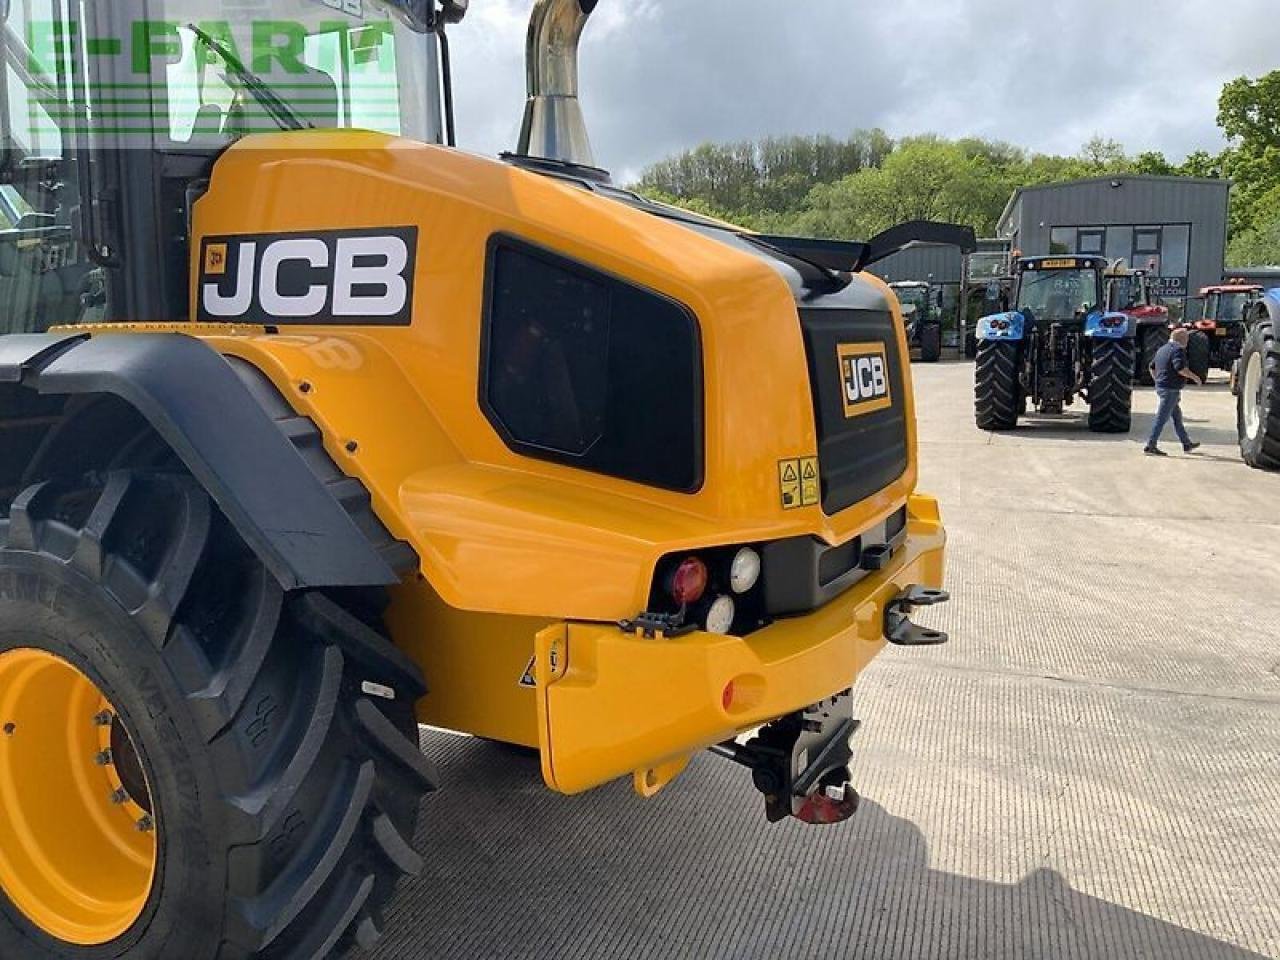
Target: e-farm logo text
329	276
157	74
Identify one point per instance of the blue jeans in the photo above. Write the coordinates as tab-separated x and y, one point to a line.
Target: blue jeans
1170	408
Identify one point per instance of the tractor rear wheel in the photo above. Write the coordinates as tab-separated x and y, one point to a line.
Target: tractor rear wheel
931	343
1151	340
1198	354
193	763
1258	403
998	395
1111	386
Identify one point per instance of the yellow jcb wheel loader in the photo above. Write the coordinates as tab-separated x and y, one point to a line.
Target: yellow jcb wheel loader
302	409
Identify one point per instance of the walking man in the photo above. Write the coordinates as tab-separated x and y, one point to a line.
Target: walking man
1170	371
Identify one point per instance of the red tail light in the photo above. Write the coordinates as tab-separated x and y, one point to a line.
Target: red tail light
688	581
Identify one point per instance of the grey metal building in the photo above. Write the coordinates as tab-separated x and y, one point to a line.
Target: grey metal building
1174	226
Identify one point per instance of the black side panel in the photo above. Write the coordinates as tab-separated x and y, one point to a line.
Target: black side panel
22	352
193	399
862	454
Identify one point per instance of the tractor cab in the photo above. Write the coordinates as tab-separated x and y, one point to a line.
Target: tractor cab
1058	291
1227	304
113	115
1130	291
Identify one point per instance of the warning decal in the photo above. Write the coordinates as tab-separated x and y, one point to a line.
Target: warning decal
798	482
529	678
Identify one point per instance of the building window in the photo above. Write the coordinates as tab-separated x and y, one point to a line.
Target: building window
1120	244
1091	242
1062	240
1175	254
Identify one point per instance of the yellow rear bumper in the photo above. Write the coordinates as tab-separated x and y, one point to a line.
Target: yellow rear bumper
612	704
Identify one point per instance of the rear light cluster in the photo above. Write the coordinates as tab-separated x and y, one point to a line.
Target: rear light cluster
999	324
715	590
1114	321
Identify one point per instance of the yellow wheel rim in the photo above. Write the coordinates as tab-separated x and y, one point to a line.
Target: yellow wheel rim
78	831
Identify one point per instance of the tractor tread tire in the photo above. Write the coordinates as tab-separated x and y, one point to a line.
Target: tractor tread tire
931	343
1263	451
1111	386
1151	340
998	396
1199	351
306	788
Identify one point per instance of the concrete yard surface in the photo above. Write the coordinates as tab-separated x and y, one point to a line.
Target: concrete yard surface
1089	769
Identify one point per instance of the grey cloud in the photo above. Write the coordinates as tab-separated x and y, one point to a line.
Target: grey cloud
660	77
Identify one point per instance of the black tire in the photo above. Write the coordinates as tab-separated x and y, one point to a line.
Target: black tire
1260	436
970	346
998	395
931	343
1111	386
1152	339
1198	354
286	797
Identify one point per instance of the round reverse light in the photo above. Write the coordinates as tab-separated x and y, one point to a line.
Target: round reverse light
744	572
720	616
688	581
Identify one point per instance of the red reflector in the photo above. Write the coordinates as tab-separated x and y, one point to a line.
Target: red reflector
689	582
726	698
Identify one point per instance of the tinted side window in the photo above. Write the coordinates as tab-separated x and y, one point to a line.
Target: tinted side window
584	369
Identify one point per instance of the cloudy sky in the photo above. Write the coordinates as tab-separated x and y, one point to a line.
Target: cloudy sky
660	76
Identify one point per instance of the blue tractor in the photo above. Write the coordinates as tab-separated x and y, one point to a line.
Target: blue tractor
1059	342
1258	384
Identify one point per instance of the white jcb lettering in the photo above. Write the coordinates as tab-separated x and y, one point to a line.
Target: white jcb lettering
388	275
850	382
241	298
866	378
277	304
879	384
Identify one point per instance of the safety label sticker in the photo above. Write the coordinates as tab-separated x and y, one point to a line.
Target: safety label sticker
798	483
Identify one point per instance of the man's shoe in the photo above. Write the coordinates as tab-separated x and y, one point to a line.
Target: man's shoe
1189	447
1154	452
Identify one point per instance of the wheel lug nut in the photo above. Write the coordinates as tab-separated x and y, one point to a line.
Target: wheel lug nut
103	759
146	825
119	797
104	719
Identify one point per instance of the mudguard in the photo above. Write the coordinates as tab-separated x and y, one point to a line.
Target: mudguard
1002	326
1108	326
1271	303
194	400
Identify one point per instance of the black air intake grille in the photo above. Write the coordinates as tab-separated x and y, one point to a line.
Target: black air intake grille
863	453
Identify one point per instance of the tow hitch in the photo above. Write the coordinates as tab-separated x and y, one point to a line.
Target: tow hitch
801	762
899	629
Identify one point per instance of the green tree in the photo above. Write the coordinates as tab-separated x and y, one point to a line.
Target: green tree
1259	243
1249	114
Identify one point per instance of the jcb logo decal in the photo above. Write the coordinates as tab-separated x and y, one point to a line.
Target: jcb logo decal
864	378
338	276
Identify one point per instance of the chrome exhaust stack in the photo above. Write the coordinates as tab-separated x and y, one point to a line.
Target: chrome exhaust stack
554	127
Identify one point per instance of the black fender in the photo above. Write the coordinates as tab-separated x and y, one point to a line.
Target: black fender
198	405
1269	308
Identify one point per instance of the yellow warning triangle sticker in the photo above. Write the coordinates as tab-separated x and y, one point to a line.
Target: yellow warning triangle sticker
809	472
789	475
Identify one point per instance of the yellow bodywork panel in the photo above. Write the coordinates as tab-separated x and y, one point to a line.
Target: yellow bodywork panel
523	559
441	477
622	703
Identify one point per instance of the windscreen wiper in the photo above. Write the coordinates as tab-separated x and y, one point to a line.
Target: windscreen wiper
280	111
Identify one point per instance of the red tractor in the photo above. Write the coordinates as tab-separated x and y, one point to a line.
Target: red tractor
1218	336
1130	292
